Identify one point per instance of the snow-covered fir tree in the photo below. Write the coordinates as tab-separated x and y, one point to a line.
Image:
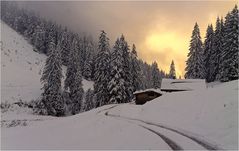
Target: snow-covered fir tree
143	77
101	77
135	70
126	68
209	54
73	81
65	47
155	76
172	71
29	32
194	64
87	70
146	77
229	68
117	84
89	102
39	37
80	46
76	93
218	41
20	23
51	79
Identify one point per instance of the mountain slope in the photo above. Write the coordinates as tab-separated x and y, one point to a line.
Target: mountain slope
21	68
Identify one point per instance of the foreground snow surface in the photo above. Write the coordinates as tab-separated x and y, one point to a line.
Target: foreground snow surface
199	119
209	115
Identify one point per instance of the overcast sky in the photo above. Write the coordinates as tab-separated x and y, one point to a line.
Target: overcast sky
161	30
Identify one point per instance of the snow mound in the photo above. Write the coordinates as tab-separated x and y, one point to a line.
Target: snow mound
148	90
182	84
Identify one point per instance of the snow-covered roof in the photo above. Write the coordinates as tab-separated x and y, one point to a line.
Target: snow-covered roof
182	84
149	90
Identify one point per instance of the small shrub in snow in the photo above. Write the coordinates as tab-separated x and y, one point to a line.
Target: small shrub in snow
5	106
20	106
39	107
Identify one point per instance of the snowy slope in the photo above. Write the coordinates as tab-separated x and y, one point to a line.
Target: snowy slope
21	68
208	117
211	113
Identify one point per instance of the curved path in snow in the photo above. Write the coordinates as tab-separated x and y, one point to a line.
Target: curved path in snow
186	140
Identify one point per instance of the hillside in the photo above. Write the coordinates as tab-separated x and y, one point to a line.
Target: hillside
21	68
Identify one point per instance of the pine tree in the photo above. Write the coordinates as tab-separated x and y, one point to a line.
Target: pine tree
194	65
146	78
73	81
209	54
156	76
39	38
87	70
29	32
88	67
71	67
172	72
229	68
65	48
89	102
76	93
117	84
126	68
136	70
101	77
218	42
81	51
51	79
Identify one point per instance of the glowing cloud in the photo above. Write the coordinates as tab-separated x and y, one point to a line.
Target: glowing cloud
171	44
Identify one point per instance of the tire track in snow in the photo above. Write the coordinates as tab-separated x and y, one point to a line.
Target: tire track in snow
197	140
107	109
171	143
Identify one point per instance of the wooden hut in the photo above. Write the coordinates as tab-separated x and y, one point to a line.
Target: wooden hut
146	95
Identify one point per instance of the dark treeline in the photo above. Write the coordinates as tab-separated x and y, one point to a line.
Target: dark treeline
117	72
217	58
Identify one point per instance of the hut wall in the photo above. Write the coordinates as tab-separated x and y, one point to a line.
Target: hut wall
144	97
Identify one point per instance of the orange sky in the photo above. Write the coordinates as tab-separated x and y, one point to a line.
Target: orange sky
161	30
169	33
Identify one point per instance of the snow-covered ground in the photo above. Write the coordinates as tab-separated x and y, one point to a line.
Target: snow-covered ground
207	117
211	113
199	119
